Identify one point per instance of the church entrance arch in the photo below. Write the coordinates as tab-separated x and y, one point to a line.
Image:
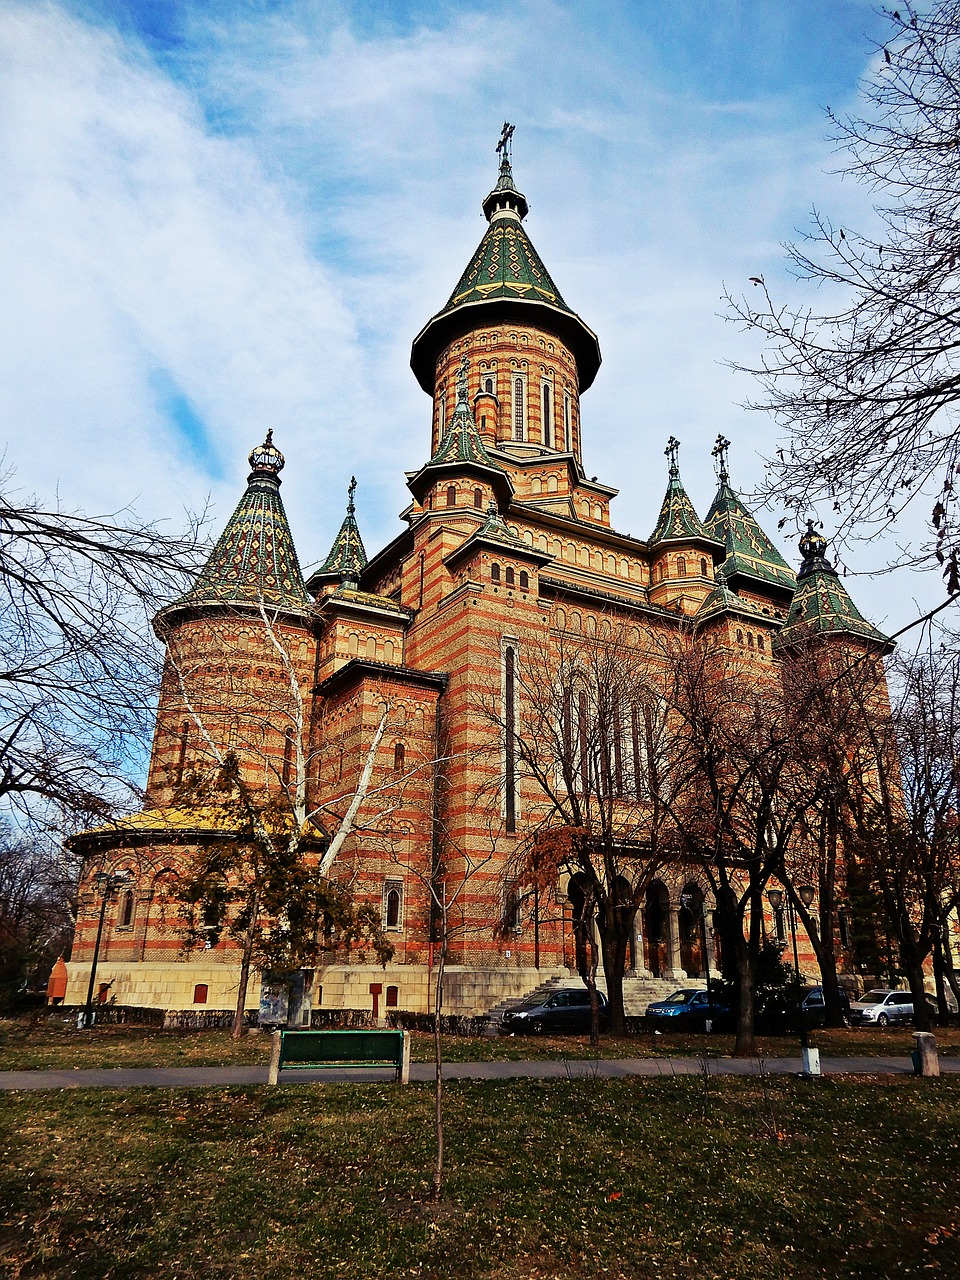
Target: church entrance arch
655	924
690	925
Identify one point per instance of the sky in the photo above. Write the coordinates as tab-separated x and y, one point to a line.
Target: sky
221	218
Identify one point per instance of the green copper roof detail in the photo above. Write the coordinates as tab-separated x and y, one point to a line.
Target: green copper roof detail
506	265
821	604
495	529
678	520
254	560
749	551
347	557
722	600
462	441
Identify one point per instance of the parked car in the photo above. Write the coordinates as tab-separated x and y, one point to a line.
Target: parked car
814	1009
567	1010
885	1009
689	1007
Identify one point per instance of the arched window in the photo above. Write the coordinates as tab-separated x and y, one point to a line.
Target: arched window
452	495
353	643
393	904
478	499
371	646
512	918
760	644
524	580
703	567
519	409
681	567
388	651
508	575
739	636
126	910
750	639
182	754
489	385
399	752
546	394
494	573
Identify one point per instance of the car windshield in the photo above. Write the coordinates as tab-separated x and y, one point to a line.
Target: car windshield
680	997
873	997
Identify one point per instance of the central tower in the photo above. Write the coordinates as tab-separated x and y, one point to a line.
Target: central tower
529	355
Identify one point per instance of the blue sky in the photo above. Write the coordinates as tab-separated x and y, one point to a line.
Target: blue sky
218	218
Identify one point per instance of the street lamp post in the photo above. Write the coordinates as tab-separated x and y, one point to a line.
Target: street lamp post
106	883
687	900
810	1057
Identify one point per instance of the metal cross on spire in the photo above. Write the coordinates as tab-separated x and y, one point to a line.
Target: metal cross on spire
672	451
719	454
462	380
351	490
505	145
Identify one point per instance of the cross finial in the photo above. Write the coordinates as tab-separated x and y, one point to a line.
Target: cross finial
719	454
462	379
351	490
672	451
504	146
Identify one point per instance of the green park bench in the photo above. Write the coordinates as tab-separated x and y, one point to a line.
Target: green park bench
327	1050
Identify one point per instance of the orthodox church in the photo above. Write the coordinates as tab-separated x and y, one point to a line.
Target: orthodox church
358	688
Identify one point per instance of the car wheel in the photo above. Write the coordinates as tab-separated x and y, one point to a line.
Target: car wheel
537	1026
883	1020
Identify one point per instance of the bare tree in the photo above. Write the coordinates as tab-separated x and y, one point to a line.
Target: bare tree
38	881
738	801
868	390
79	669
586	743
899	800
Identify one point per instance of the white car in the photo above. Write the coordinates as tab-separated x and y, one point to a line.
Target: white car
883	1009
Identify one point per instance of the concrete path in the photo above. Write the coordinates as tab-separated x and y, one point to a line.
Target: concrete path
423	1072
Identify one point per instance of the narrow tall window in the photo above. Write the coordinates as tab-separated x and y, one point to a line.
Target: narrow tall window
399	752
583	734
567	423
524	580
681	567
489	385
546	395
509	745
126	910
519	410
392	904
494	573
637	742
703	567
182	756
478	499
452	496
508	576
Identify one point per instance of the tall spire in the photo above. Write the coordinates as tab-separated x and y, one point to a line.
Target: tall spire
462	441
821	604
347	558
505	280
678	520
254	561
750	553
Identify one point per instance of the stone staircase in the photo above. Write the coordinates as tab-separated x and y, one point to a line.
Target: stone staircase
637	994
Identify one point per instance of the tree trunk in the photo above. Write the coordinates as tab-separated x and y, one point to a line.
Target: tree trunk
438	1058
238	1028
613	950
921	1011
826	962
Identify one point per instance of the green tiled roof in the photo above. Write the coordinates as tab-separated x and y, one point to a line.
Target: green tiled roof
722	600
462	441
254	559
678	521
506	265
820	603
347	558
748	549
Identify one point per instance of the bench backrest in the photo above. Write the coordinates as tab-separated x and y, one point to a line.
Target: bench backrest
341	1046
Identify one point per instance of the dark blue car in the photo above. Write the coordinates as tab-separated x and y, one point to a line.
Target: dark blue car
689	1008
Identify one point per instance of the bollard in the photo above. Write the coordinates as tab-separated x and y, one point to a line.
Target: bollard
273	1076
927	1053
811	1062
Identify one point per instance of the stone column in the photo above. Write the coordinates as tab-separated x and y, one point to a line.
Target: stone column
639	969
674	969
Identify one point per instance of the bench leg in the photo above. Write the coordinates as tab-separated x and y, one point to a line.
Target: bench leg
274	1075
403	1075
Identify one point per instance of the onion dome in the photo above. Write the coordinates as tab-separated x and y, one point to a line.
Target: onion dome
254	561
347	558
678	520
461	448
821	605
505	280
750	554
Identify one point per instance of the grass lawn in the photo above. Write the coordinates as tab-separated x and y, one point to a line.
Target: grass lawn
50	1045
696	1177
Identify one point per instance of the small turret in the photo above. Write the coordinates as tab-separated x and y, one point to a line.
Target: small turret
681	549
347	558
821	605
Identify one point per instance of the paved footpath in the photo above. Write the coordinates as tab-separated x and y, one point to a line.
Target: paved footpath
423	1072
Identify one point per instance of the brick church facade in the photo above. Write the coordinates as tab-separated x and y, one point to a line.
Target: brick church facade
506	547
